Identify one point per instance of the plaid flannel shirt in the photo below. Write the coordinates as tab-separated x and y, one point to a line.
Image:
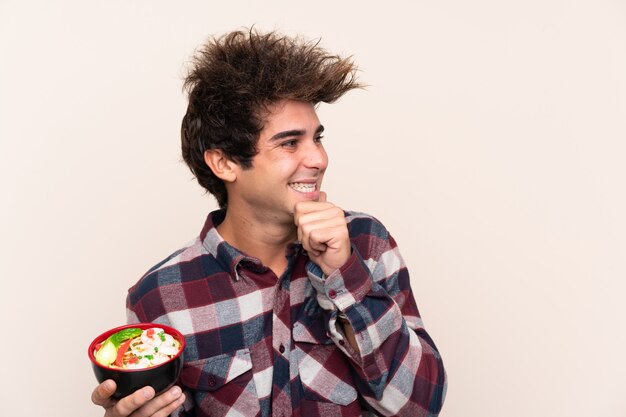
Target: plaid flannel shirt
259	345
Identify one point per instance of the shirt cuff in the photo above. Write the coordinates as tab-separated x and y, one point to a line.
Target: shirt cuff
343	287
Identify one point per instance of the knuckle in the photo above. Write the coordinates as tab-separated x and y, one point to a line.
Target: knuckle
119	410
136	401
315	235
131	404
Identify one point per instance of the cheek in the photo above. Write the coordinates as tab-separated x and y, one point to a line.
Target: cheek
283	168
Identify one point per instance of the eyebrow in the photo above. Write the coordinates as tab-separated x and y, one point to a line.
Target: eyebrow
294	132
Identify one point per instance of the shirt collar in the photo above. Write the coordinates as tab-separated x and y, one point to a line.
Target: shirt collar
230	258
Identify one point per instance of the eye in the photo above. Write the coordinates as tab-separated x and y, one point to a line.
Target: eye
319	138
289	143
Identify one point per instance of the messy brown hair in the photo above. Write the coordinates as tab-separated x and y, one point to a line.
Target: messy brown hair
233	80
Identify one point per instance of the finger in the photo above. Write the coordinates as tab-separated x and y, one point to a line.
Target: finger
313	243
304	207
159	405
316	246
328	237
323	211
101	395
324	214
307	227
165	412
308	246
134	401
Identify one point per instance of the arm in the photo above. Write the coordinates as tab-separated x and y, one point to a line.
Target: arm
397	367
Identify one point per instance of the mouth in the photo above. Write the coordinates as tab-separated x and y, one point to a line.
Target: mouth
303	187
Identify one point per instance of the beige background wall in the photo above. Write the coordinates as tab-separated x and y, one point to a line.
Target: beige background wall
490	142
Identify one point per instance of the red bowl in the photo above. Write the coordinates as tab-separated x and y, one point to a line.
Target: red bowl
160	377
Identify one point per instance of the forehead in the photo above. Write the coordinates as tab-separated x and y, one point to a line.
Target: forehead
289	115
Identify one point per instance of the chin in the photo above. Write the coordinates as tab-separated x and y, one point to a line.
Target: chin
312	196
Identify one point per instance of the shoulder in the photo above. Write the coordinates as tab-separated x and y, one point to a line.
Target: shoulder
190	263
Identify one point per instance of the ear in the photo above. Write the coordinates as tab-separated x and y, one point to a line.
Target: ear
222	167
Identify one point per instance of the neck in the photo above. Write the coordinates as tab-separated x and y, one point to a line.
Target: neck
259	238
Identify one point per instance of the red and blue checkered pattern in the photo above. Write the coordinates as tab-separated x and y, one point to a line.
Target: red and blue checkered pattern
262	345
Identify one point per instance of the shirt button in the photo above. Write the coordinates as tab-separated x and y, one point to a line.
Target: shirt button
332	294
341	342
211	381
281	349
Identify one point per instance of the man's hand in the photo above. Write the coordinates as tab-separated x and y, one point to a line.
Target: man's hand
141	403
323	232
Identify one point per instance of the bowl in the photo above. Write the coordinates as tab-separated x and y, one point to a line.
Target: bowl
160	377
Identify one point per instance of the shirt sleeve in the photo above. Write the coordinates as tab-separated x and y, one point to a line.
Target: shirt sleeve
398	369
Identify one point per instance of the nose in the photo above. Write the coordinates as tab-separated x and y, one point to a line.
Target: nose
315	156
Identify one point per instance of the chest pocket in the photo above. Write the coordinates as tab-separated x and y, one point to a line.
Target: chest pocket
324	370
223	381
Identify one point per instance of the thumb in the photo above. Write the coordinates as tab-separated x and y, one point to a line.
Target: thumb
322	198
101	395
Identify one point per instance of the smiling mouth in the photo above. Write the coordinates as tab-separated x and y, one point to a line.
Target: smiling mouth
303	187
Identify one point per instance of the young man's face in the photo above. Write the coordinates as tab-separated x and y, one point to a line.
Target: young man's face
290	164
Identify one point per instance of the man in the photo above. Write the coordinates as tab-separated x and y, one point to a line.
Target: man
289	305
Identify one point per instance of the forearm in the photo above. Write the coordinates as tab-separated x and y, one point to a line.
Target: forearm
397	367
397	370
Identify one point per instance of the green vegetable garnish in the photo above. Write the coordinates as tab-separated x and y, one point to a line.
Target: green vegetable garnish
107	353
122	335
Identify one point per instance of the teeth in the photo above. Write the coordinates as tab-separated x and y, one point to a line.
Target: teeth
302	187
